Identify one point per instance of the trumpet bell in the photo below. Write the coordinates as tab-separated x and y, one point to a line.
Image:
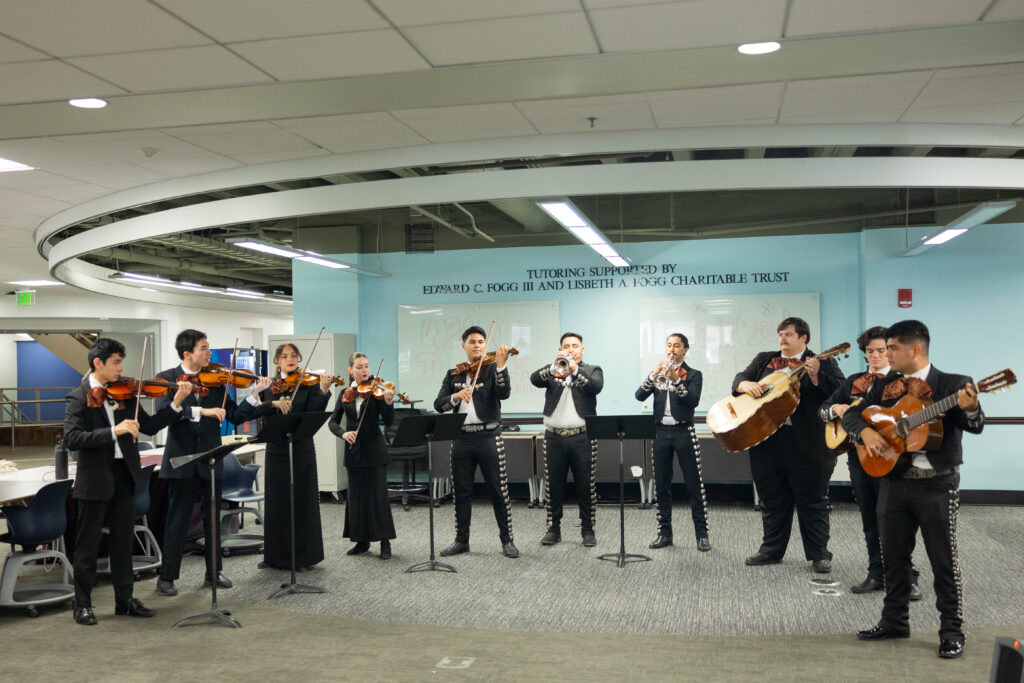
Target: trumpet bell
561	364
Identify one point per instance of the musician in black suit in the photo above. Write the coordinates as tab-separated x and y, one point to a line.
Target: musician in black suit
923	490
197	430
108	476
792	467
368	507
480	443
676	388
566	445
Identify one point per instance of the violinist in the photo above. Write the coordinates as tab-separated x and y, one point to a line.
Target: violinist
364	405
196	430
309	541
480	443
571	388
676	387
105	433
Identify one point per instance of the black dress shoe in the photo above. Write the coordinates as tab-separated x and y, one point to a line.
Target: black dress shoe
915	592
703	544
509	549
166	588
822	566
869	585
950	649
133	608
84	616
385	550
359	548
660	542
456	548
878	633
589	539
222	581
759	558
552	537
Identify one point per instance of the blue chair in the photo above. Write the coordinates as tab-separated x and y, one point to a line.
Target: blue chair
152	557
239	487
43	521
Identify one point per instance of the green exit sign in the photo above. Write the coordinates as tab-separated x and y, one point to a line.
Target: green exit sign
27	298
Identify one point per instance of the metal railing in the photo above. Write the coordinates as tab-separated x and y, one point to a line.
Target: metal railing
12	415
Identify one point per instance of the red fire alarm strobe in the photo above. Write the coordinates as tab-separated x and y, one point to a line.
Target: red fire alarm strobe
905	297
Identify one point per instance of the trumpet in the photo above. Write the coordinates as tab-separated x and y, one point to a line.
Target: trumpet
561	364
661	380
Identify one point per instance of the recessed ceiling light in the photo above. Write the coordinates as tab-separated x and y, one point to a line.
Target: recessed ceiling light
34	283
759	48
88	103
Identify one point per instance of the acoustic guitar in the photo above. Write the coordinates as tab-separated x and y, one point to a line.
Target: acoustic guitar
836	437
913	424
739	422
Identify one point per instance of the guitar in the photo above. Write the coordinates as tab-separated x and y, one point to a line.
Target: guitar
913	425
835	436
739	422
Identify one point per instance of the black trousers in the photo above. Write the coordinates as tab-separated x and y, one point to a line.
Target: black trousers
931	505
579	454
786	480
93	515
865	490
485	450
680	439
181	496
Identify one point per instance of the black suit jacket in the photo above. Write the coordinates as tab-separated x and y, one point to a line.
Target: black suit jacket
586	384
370	448
808	435
492	388
88	431
683	397
954	423
185	437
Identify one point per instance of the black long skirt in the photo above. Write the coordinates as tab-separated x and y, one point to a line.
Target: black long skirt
368	511
309	541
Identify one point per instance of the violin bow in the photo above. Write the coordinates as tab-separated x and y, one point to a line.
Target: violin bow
480	367
362	413
234	354
299	383
142	365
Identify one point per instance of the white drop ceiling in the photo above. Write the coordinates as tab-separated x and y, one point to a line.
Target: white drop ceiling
198	86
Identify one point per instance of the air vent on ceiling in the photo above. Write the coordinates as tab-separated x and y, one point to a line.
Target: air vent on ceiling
420	238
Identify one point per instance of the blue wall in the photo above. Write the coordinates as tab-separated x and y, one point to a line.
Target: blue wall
964	291
37	367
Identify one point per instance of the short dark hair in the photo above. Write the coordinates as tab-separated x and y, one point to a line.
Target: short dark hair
799	325
910	332
570	334
475	329
682	338
187	340
869	335
103	348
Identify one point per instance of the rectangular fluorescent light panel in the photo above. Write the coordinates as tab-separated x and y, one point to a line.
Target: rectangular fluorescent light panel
945	236
979	215
322	262
266	249
572	220
34	283
564	214
10	165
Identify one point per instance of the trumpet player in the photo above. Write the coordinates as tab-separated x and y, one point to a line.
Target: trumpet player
566	445
676	388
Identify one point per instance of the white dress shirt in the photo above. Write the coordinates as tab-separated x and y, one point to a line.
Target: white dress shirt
564	416
118	455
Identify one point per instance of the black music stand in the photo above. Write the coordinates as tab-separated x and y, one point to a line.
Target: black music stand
416	430
621	427
211	457
293	427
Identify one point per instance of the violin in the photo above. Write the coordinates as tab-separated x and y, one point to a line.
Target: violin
483	362
375	387
216	375
125	388
289	382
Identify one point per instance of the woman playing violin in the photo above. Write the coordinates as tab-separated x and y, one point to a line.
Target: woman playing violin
309	542
368	510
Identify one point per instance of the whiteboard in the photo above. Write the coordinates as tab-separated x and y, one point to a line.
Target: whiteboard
725	332
430	343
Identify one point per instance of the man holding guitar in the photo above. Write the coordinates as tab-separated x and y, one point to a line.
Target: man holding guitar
924	493
792	467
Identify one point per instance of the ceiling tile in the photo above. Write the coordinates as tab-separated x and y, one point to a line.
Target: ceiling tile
21	222
45	154
217	128
248	142
816	17
333	56
620	112
67	28
13	51
179	168
110	173
354	132
208	66
876	116
48	81
603	4
852	95
37	207
974	85
406	13
496	40
71	193
156	146
29	179
471	122
725	105
1006	10
676	26
270	157
273	18
8	196
997	113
